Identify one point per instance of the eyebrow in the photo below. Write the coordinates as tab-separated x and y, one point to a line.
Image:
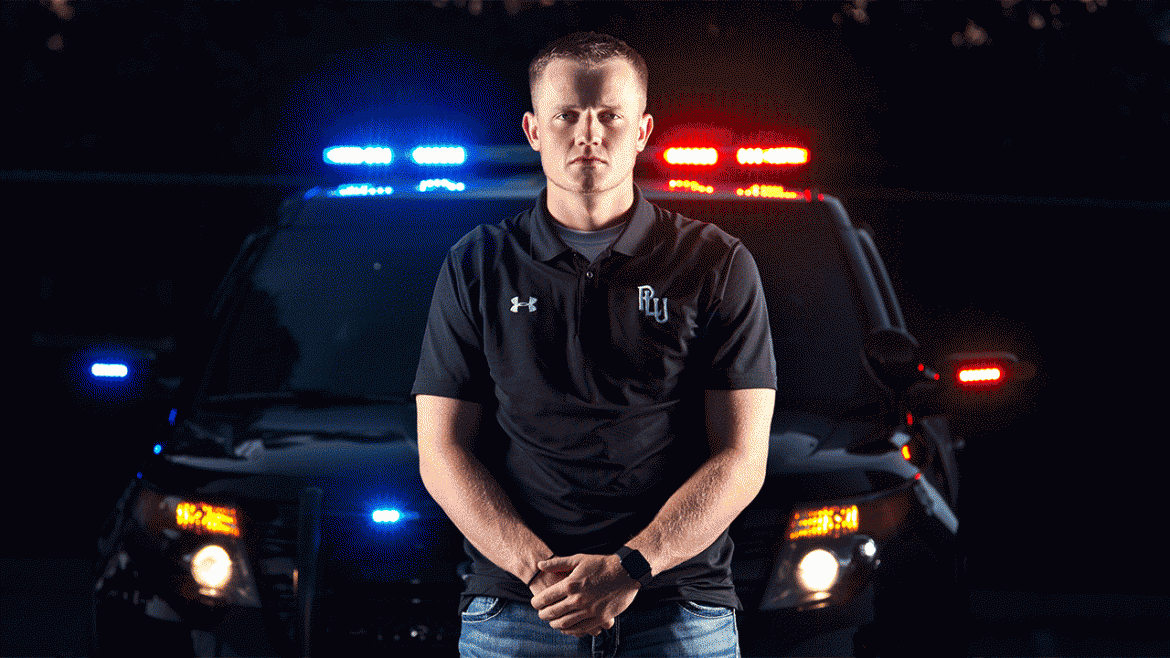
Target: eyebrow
563	108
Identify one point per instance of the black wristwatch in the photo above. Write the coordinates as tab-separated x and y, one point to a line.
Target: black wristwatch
635	565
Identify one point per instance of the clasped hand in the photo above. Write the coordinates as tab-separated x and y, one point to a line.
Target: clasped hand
582	594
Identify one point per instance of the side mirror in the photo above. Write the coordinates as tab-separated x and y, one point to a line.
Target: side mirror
890	356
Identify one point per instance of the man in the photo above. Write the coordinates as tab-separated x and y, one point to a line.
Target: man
595	391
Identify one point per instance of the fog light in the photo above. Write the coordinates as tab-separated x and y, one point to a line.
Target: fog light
868	549
211	567
817	570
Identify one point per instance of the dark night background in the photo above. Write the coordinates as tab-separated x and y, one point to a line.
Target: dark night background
1010	156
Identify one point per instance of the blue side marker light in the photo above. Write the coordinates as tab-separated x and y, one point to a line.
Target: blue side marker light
439	155
387	516
109	370
435	183
171	416
157	448
356	155
139	475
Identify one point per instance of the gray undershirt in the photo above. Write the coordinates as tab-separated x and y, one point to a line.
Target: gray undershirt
589	244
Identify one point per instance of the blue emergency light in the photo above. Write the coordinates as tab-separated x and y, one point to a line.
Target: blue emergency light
356	155
109	370
387	516
439	155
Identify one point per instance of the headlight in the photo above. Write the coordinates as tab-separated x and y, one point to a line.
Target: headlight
204	542
817	571
212	568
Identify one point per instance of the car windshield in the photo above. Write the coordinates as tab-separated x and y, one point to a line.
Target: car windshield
814	305
337	304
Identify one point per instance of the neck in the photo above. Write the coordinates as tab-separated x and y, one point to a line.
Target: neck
589	212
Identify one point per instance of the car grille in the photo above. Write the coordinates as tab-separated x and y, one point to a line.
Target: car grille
377	591
275	553
758	536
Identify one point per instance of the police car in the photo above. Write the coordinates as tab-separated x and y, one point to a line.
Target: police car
279	508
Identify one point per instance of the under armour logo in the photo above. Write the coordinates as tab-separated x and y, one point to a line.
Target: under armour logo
648	304
516	304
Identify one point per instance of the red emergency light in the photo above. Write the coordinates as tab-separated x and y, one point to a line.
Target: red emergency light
772	155
685	155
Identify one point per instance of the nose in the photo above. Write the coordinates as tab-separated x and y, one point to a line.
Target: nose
589	130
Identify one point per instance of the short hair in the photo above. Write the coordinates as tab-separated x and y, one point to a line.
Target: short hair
591	49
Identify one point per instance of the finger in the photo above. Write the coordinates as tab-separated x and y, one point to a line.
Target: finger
557	610
584	624
557	564
550	595
574	622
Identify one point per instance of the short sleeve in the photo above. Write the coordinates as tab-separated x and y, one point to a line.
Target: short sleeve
738	329
451	361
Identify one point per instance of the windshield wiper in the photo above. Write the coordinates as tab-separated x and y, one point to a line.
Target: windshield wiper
313	398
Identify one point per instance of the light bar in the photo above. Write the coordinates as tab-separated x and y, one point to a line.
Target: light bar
980	374
363	189
824	522
435	183
692	186
691	156
769	191
356	155
109	370
439	155
205	518
779	155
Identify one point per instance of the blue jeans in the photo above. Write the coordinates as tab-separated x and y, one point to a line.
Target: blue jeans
495	628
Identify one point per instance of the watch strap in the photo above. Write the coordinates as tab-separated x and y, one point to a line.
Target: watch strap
635	565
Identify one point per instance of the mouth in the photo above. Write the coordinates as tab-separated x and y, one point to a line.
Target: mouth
587	159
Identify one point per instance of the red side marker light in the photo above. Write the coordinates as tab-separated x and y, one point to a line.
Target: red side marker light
909	418
986	375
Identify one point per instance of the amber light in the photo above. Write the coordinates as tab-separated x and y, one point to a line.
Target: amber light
769	191
980	374
779	155
207	519
824	522
693	186
691	156
906	453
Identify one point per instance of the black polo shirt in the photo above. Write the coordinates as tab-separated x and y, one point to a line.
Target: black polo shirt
595	373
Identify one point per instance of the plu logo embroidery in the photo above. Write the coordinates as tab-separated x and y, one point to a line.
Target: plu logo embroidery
516	304
648	304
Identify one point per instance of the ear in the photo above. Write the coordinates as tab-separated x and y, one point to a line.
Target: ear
532	130
645	127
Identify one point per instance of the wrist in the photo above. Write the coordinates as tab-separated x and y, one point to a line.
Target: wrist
536	560
635	565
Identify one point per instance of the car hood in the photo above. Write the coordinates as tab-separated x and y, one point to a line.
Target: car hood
359	456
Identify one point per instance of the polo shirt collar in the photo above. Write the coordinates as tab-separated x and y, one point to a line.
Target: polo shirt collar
547	245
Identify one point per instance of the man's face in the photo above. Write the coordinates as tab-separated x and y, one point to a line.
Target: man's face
588	124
